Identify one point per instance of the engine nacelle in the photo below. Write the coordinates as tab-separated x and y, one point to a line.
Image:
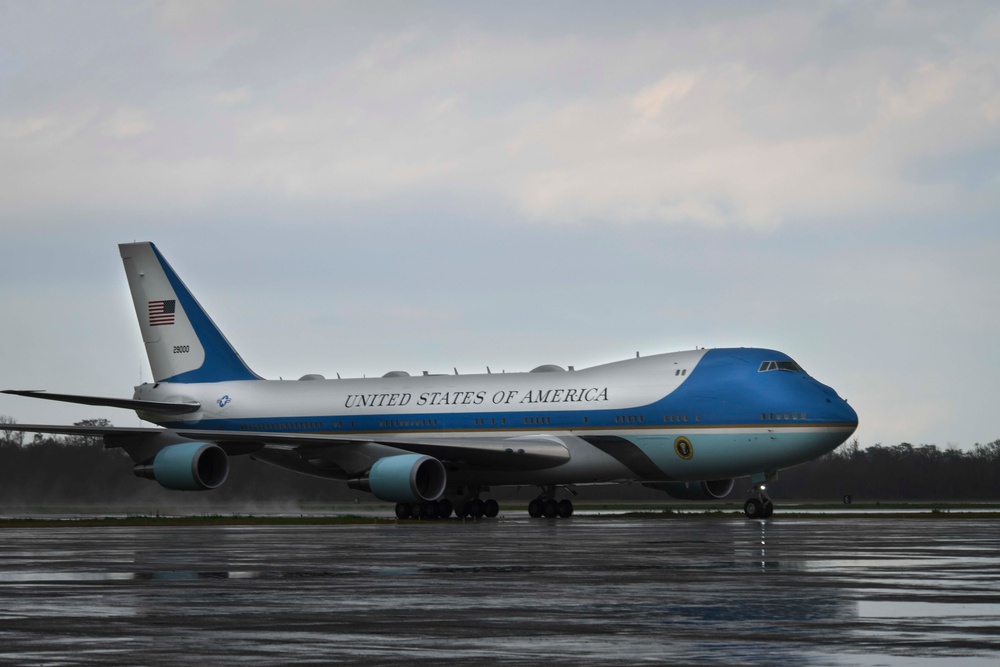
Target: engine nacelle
710	490
407	478
189	466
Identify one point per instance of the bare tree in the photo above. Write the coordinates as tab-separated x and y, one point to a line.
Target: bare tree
89	440
10	436
989	452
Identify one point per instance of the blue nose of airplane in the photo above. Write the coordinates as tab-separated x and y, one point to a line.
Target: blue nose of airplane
830	407
848	414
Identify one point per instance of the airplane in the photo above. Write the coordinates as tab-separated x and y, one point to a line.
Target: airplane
687	423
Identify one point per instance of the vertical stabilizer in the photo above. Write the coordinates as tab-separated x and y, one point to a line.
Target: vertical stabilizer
182	342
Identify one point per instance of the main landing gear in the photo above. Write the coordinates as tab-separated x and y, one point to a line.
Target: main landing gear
436	509
477	508
464	505
546	505
469	504
465	502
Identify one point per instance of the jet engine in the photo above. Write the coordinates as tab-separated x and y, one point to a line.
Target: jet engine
709	490
407	478
189	466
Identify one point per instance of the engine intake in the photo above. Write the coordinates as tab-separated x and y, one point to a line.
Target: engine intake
407	478
189	466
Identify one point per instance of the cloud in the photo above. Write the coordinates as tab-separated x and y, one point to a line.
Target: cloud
232	97
20	128
650	101
126	122
747	121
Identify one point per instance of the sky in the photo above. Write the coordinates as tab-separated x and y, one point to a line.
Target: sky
356	188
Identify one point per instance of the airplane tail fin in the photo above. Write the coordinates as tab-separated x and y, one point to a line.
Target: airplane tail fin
182	342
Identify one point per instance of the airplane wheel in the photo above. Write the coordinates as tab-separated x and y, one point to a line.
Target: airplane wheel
445	508
565	508
476	508
433	509
550	508
462	509
768	510
753	508
402	510
535	508
491	508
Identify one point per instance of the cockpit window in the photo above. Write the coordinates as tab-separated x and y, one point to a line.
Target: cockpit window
779	366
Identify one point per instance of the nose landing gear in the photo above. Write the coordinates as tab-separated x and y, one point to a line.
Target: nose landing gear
760	506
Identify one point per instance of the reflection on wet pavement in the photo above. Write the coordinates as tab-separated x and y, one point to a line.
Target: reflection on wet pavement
876	591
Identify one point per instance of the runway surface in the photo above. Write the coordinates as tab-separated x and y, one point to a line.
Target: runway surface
690	590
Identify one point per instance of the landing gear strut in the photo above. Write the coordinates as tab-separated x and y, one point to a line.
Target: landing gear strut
760	506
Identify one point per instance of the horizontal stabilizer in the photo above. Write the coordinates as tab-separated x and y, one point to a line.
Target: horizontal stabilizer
163	407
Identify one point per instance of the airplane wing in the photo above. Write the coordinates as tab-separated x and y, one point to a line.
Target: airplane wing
498	453
163	407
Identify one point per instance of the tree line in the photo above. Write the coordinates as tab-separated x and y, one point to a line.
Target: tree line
46	470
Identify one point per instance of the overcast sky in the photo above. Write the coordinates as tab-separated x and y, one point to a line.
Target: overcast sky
366	187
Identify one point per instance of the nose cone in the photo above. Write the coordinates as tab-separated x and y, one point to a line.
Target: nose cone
825	405
849	416
839	419
833	409
836	421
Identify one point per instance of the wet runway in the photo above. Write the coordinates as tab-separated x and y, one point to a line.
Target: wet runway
690	590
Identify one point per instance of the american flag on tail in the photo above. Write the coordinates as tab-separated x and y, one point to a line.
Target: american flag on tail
161	312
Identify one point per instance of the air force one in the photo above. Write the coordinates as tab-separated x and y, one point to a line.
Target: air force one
687	423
